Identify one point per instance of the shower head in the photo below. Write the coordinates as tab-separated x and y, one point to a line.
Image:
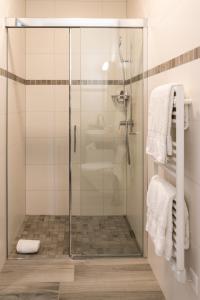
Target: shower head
120	53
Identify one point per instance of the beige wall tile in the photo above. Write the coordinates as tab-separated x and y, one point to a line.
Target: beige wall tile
61	150
39	151
91	177
40	8
40	124
3	48
61	41
76	176
70	9
92	99
76	9
91	203
179	23
62	202
12	8
114	9
114	202
40	41
40	98
16	97
76	204
40	66
40	202
61	98
16	52
114	177
61	67
40	177
75	98
61	124
61	177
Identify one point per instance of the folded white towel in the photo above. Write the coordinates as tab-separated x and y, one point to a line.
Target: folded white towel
28	246
159	225
159	141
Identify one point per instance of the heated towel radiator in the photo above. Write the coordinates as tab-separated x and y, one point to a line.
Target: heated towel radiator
175	167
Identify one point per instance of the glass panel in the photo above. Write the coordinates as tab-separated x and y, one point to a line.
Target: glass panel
135	182
103	60
38	141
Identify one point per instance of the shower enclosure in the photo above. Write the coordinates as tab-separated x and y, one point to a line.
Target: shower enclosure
75	136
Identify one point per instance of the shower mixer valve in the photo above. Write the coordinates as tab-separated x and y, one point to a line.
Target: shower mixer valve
128	123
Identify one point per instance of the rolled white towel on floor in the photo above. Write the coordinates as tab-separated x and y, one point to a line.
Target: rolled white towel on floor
28	246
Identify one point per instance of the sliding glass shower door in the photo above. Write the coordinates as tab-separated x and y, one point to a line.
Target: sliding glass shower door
75	139
100	124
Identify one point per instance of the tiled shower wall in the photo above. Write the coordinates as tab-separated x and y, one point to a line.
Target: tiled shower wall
47	122
76	8
47	107
99	164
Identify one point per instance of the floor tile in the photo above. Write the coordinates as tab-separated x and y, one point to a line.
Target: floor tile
39	291
91	236
36	271
113	296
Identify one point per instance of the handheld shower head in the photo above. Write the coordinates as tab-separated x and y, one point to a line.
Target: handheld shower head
120	54
120	41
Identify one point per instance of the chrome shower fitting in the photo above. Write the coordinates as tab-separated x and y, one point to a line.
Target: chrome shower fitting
129	124
121	98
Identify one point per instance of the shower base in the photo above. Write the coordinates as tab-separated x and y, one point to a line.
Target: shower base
90	236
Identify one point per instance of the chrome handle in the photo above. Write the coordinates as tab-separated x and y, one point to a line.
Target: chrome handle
74	138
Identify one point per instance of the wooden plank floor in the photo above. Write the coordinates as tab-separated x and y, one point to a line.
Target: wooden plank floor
65	279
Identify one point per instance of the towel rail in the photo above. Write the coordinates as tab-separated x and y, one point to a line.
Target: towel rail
175	167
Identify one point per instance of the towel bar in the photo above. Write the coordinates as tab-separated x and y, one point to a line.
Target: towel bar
175	168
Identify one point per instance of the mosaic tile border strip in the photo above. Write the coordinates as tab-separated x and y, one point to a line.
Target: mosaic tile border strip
12	76
179	60
5	73
74	82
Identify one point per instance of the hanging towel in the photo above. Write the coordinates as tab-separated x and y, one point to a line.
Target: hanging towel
28	246
159	225
159	141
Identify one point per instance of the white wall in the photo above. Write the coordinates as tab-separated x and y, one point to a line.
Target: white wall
173	29
7	8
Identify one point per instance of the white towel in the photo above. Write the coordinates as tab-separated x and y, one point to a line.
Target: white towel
28	246
159	141
160	197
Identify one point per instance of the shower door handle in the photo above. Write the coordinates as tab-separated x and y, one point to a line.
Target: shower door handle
74	138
